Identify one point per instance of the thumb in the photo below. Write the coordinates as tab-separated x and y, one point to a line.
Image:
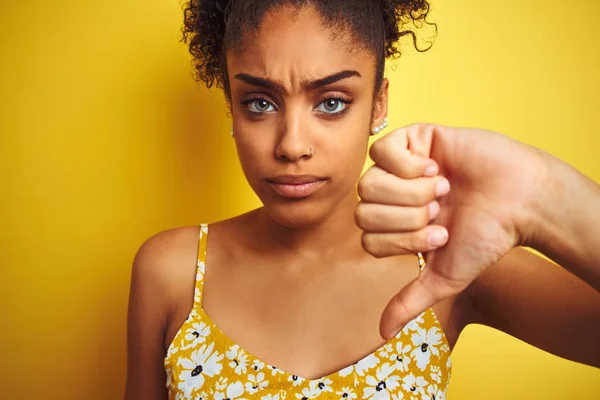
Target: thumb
412	300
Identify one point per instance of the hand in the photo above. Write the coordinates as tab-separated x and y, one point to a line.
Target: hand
487	185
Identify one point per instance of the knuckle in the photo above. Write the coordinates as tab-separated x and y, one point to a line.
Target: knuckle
370	244
378	245
361	216
376	149
365	187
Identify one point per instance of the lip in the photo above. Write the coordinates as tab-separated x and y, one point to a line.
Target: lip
296	186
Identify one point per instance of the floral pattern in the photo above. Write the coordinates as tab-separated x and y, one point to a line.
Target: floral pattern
203	363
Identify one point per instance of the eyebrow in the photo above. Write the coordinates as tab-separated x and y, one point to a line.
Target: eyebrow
306	85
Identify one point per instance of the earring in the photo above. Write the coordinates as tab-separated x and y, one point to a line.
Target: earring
232	133
380	127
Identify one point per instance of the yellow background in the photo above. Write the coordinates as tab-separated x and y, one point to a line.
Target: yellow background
106	140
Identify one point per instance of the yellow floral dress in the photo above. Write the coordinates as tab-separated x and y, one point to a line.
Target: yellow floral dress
203	363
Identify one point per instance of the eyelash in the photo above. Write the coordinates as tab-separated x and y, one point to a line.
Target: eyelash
347	102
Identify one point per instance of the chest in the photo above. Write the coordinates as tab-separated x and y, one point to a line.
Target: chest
312	335
205	363
309	324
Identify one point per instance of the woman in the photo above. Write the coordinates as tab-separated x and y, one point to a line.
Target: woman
287	300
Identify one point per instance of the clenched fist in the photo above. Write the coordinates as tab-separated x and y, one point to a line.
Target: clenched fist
462	196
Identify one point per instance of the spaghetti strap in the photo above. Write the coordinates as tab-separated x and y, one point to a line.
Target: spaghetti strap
200	265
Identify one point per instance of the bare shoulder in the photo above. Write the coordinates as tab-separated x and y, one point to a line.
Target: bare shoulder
163	268
166	261
167	254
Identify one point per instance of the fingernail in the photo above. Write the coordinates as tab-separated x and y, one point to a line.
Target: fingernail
437	238
434	209
431	170
442	188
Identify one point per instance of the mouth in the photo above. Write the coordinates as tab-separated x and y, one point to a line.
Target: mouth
296	186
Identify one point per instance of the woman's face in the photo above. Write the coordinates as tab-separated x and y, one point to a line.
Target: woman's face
303	107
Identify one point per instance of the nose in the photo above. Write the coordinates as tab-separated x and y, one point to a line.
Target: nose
294	141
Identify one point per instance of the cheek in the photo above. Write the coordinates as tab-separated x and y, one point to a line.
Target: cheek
353	140
350	160
346	155
250	154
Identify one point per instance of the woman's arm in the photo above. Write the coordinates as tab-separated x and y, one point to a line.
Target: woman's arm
540	303
566	223
149	305
537	301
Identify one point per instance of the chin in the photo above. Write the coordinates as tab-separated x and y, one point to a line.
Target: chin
300	214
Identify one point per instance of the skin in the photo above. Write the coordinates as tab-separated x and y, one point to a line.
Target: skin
504	194
296	273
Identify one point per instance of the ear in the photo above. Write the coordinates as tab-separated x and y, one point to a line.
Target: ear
380	105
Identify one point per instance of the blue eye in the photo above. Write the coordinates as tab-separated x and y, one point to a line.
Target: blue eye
259	106
332	106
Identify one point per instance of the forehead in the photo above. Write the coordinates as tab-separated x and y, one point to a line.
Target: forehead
294	44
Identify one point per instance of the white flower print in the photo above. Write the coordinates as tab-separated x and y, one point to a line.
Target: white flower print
386	350
196	334
310	392
169	372
172	350
221	383
434	393
398	396
322	385
200	270
201	362
296	379
425	343
415	323
201	396
401	357
361	367
275	370
413	384
256	383
239	359
382	384
257	365
234	391
346	393
273	397
436	373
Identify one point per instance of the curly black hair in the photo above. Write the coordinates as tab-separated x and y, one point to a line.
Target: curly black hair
211	27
